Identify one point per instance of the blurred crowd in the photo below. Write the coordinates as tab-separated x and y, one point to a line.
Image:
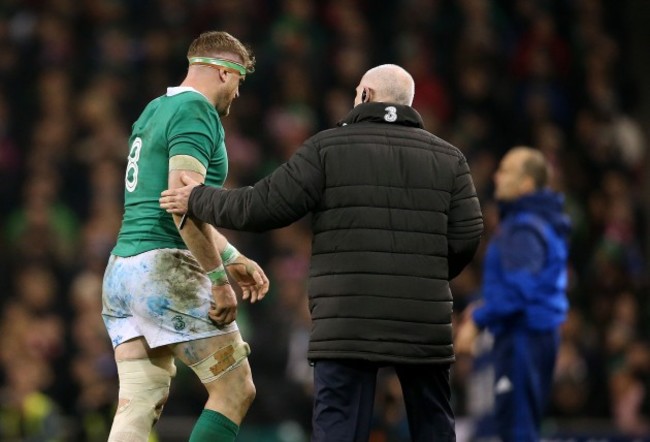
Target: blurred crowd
75	74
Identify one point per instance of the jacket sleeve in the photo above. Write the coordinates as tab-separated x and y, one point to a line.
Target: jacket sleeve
289	193
465	221
522	254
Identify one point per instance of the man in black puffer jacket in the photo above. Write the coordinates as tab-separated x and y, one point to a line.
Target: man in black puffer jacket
395	217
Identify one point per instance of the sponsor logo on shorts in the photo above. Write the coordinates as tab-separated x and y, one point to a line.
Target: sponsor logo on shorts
179	323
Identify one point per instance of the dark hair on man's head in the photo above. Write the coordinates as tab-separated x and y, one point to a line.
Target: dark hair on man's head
218	43
536	167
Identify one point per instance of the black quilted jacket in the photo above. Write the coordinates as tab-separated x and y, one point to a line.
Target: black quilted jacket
395	217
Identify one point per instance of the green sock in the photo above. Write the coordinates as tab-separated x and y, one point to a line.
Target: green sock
213	426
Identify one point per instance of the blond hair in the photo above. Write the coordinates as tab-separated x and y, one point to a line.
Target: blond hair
215	43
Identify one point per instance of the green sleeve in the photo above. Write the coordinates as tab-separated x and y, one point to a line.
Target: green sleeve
193	131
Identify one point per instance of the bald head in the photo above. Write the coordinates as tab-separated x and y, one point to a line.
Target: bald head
387	83
522	170
533	165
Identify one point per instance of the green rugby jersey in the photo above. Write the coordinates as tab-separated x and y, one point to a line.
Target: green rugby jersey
182	122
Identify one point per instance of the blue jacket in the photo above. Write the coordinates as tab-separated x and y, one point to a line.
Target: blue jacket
525	269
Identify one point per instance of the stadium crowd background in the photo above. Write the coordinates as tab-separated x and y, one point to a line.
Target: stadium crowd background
75	74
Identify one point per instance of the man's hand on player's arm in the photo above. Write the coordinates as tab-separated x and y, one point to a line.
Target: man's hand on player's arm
175	199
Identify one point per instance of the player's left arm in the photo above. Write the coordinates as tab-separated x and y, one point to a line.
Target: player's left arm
246	272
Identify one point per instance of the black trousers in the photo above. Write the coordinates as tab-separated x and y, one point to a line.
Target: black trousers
344	396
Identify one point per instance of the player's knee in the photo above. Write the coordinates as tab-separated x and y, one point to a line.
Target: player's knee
221	362
144	389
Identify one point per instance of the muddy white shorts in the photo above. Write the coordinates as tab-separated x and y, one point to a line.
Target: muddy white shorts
163	295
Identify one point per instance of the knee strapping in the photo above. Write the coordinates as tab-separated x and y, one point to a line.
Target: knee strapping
144	388
221	361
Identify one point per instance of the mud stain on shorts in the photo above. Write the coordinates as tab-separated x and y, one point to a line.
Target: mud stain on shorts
179	273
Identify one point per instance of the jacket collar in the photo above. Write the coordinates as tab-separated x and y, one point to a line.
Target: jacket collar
383	113
546	204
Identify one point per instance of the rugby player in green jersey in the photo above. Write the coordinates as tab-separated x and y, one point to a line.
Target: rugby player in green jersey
166	290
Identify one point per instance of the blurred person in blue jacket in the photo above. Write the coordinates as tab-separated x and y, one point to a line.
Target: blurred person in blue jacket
524	293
